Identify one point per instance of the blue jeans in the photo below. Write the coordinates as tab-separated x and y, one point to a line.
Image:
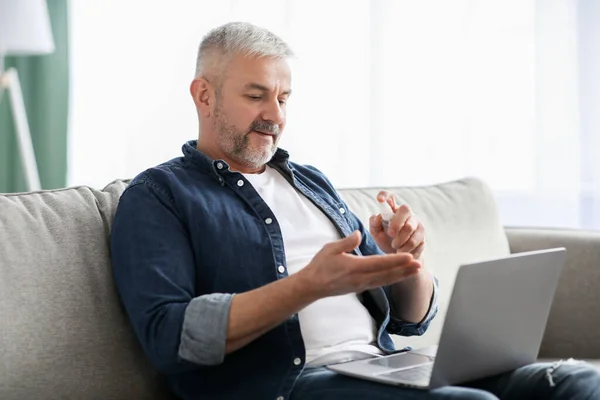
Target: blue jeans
569	382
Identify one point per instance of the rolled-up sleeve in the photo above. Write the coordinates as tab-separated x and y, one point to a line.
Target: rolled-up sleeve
155	273
205	329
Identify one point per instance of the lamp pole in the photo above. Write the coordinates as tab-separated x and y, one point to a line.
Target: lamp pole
9	80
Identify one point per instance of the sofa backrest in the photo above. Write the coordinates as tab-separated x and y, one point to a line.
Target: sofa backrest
63	331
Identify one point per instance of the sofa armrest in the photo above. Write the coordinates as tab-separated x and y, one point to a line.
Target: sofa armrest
573	328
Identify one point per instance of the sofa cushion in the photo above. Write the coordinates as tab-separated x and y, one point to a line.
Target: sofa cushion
461	225
63	331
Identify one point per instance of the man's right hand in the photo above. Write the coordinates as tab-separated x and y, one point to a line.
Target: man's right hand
333	271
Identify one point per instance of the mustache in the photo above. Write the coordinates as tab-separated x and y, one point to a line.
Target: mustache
264	126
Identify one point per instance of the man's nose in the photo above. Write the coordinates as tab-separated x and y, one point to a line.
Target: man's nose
274	113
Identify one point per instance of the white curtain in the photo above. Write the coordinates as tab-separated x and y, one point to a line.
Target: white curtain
589	110
386	92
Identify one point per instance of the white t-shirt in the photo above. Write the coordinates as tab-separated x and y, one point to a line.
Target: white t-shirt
334	329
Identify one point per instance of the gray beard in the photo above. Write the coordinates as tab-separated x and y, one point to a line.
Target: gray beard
237	145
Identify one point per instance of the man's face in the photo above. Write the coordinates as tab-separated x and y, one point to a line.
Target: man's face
250	109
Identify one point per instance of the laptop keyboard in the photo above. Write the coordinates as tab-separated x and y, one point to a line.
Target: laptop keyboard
420	373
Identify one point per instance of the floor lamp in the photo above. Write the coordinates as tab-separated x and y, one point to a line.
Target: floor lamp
24	30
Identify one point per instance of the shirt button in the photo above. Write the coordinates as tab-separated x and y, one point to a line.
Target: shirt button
342	211
281	269
297	361
240	183
220	165
268	221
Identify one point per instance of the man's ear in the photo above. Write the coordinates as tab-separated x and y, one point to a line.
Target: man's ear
204	96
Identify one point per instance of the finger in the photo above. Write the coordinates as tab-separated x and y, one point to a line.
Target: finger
414	241
384	196
408	244
418	252
402	214
344	245
369	264
392	276
404	233
375	225
413	268
391	200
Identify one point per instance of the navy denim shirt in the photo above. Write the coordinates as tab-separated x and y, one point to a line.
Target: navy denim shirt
187	236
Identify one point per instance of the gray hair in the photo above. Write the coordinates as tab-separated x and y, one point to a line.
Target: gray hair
238	38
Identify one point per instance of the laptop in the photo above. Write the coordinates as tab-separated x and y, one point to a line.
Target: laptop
495	323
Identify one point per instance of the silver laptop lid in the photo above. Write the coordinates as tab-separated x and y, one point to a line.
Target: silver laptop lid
496	316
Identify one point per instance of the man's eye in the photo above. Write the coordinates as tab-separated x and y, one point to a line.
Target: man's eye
251	97
282	102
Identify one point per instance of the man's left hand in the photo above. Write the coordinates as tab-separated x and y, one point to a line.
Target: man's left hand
405	233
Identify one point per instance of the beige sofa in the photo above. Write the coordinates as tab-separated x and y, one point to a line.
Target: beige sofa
64	335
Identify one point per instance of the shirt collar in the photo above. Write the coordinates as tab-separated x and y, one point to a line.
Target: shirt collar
194	156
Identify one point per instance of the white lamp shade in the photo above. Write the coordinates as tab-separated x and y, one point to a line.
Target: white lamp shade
25	28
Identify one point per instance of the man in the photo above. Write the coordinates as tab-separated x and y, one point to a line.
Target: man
244	273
